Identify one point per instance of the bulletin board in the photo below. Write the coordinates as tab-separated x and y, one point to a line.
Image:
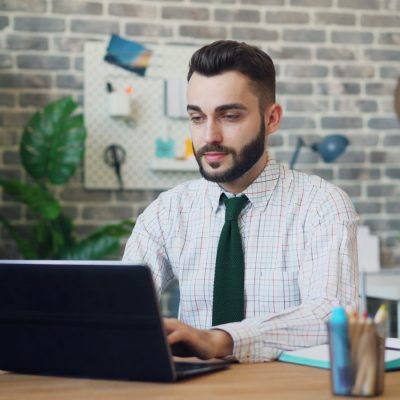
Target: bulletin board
144	165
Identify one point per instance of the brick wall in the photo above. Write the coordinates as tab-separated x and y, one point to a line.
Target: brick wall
338	62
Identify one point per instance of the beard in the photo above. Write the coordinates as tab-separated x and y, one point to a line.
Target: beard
242	160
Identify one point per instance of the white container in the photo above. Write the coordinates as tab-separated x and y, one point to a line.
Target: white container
119	105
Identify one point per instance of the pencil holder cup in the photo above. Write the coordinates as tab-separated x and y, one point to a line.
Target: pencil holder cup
119	105
357	360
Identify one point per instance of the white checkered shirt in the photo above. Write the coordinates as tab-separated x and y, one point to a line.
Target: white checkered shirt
299	239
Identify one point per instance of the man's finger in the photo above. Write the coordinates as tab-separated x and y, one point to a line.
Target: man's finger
171	324
176	336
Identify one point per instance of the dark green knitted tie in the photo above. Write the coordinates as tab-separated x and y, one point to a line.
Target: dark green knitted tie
228	304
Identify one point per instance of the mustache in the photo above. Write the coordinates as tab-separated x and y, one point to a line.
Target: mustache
213	147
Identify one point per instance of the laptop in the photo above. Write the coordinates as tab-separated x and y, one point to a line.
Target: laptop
86	319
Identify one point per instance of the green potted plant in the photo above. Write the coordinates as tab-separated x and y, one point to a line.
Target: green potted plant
51	149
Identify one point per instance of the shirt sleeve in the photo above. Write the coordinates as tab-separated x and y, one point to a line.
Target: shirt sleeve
328	276
146	244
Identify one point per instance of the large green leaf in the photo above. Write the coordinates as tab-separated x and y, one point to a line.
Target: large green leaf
119	230
100	245
38	199
53	142
24	246
50	238
98	248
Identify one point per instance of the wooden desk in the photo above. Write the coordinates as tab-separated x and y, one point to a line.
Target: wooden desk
267	381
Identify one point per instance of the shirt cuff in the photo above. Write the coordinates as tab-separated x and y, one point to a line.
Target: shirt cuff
247	341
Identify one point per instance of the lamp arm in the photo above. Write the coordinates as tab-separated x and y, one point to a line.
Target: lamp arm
300	143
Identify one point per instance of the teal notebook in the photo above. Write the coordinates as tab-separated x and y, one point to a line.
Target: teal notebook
318	356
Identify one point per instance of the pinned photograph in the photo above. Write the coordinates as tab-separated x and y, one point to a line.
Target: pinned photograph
128	54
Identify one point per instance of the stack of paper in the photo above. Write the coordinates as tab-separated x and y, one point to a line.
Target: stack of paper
318	356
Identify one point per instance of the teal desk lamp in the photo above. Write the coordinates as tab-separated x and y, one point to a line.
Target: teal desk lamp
330	148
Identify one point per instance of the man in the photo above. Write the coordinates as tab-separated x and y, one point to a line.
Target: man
297	231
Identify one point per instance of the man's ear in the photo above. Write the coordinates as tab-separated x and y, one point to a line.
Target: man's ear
273	116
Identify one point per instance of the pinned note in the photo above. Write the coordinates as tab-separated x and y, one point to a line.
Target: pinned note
165	148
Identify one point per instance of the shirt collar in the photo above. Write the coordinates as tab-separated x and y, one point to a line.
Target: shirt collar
258	193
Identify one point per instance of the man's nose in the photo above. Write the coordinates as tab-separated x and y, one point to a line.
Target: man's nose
213	132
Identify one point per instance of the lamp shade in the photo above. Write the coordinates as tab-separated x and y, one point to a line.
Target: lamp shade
331	147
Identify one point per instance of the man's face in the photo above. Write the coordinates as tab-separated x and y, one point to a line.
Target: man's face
227	130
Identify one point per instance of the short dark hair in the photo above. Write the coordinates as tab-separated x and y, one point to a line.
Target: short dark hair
229	55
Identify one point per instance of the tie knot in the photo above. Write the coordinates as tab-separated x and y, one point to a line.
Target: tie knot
234	206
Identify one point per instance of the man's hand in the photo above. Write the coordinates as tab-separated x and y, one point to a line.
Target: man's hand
187	341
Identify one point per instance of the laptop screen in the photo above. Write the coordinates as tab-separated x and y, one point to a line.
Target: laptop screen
91	319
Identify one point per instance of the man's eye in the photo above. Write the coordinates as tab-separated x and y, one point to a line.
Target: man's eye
231	117
195	118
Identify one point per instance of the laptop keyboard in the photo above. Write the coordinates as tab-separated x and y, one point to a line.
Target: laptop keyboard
188	366
188	369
